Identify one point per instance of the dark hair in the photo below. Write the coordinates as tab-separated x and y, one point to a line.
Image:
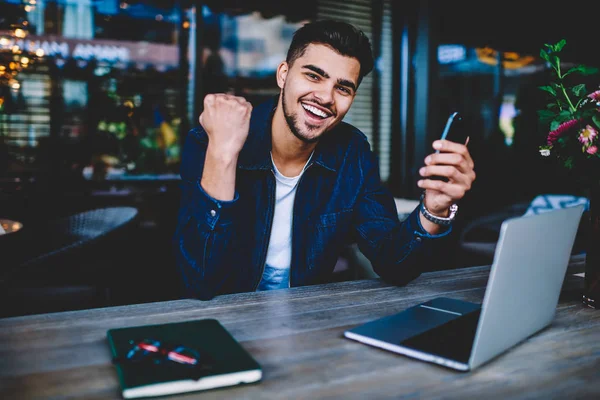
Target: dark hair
342	37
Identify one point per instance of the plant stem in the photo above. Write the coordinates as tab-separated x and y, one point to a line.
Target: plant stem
564	90
571	106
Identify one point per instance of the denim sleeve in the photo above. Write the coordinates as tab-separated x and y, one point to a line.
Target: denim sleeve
397	251
205	233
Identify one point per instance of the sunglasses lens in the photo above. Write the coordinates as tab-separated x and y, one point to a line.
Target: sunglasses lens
184	355
143	349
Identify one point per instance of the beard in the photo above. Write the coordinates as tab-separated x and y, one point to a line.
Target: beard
292	122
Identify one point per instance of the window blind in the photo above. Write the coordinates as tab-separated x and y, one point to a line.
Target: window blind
358	13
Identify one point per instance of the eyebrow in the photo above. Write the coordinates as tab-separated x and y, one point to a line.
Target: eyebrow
343	82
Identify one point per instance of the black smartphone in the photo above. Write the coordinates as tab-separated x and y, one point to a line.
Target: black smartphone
453	131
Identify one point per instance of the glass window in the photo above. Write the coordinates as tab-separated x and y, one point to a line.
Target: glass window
240	52
102	87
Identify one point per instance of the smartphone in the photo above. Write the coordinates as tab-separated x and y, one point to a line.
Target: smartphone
453	131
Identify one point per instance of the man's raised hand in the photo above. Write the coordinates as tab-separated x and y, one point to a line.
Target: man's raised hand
226	119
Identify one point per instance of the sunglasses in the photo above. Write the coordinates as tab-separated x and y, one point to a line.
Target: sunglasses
157	352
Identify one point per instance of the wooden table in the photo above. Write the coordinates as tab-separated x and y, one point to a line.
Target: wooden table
296	335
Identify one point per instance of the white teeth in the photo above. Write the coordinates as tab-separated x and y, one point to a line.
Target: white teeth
315	111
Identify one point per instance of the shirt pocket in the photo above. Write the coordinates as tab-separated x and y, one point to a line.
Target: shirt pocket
328	235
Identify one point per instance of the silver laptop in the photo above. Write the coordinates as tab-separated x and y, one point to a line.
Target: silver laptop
521	296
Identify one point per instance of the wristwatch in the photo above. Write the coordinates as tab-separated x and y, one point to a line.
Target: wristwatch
434	218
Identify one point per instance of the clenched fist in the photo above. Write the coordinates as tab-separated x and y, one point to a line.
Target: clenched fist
226	120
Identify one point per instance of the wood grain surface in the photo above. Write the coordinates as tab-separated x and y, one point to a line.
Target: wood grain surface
296	335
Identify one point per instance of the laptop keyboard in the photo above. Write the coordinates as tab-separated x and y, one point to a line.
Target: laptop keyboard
452	340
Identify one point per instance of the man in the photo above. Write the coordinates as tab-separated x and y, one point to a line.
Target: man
271	195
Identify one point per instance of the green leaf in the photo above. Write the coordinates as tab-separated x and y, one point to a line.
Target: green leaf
548	89
544	54
572	70
545	116
554	125
569	163
551	106
585	114
582	69
589	70
562	141
554	61
596	119
578	89
565	115
559	46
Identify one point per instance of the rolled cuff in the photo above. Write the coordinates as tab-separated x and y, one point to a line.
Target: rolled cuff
415	225
212	211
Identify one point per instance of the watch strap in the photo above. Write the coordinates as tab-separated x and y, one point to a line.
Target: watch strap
436	219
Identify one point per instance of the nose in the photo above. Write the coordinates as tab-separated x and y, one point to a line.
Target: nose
325	94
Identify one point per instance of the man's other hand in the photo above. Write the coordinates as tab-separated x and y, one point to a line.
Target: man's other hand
454	163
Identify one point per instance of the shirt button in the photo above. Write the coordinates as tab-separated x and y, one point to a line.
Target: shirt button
213	213
418	238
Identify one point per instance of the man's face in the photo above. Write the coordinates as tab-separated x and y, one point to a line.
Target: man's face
317	90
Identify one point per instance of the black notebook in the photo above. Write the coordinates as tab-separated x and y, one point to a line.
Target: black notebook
157	360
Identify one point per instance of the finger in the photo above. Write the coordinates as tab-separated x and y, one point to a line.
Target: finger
447	171
209	100
453	159
453	190
446	146
454	173
229	98
240	100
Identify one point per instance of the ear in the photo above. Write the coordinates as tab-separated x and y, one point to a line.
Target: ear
282	71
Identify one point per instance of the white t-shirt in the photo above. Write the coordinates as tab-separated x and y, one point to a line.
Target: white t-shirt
279	254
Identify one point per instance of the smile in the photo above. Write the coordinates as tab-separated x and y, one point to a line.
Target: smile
315	111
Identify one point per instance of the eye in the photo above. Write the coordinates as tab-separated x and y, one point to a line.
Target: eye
312	76
344	90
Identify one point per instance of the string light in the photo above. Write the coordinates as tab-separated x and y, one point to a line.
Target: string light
14	58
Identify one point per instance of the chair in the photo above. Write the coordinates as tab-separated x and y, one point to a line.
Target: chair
358	264
479	237
65	263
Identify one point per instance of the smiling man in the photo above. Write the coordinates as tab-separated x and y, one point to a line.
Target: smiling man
270	196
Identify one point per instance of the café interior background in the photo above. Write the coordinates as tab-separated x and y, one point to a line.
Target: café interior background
93	92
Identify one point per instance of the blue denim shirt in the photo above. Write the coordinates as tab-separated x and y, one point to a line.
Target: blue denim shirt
221	246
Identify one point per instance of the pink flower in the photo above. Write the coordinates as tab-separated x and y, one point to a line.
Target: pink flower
595	95
587	134
592	150
562	128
